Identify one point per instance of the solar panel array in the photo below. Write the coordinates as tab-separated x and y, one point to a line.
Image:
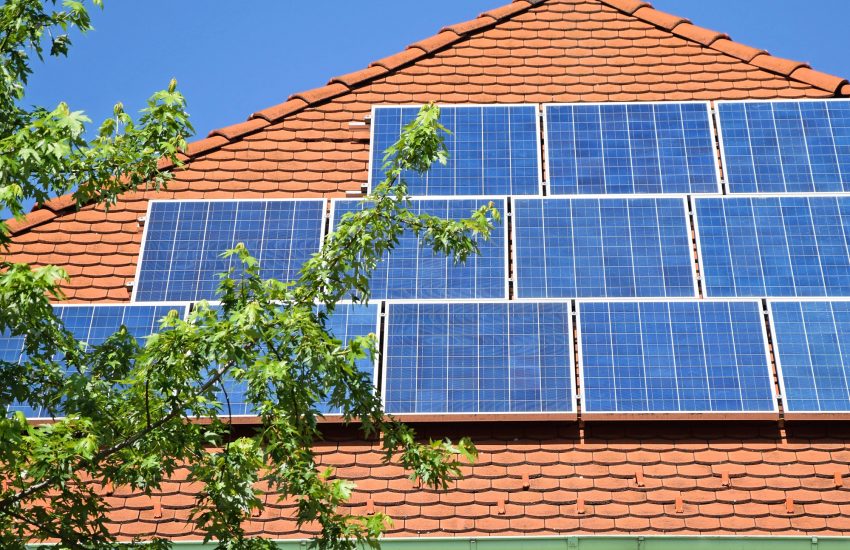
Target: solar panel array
411	271
785	146
775	246
492	150
629	148
479	358
674	357
184	242
92	324
608	247
607	236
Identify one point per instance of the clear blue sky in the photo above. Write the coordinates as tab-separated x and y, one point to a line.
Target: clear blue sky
234	58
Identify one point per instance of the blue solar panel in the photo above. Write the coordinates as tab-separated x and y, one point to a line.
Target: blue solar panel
779	146
618	247
812	346
181	254
630	148
478	358
93	324
674	357
347	322
774	246
415	272
493	150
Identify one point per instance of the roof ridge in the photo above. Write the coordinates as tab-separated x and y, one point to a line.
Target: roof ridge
721	42
451	34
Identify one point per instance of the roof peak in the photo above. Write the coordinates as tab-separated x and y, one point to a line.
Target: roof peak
451	35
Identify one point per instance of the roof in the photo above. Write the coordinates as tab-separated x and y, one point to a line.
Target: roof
615	478
540	51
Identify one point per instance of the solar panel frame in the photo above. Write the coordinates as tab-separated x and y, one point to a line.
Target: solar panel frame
370	184
697	237
482	416
185	305
723	157
150	206
330	417
514	252
506	248
713	132
672	415
788	412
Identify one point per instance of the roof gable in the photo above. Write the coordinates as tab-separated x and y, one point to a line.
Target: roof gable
527	51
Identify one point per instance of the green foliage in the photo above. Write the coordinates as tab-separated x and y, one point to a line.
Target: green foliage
44	152
130	416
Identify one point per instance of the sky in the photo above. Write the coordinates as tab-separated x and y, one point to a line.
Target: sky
234	58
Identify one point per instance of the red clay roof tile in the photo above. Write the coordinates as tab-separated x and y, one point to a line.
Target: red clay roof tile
204	145
395	61
436	42
659	18
33	219
282	110
701	35
238	130
777	64
819	79
357	78
318	95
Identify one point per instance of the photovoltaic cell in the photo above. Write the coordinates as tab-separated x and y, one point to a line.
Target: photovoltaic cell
785	146
478	358
347	322
411	271
774	246
93	325
611	247
674	357
812	342
630	148
492	149
181	255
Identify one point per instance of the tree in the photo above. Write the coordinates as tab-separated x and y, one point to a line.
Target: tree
128	415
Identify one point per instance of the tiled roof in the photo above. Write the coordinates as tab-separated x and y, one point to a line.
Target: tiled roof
737	479
542	51
734	478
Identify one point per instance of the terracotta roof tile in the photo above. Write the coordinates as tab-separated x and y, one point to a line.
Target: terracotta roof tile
706	478
659	18
777	64
357	78
238	130
318	95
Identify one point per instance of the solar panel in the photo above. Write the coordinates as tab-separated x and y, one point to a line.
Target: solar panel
493	150
415	272
608	247
774	246
674	359
630	148
93	324
347	322
183	241
483	358
785	146
812	347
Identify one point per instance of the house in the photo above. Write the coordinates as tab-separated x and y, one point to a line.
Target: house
558	484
